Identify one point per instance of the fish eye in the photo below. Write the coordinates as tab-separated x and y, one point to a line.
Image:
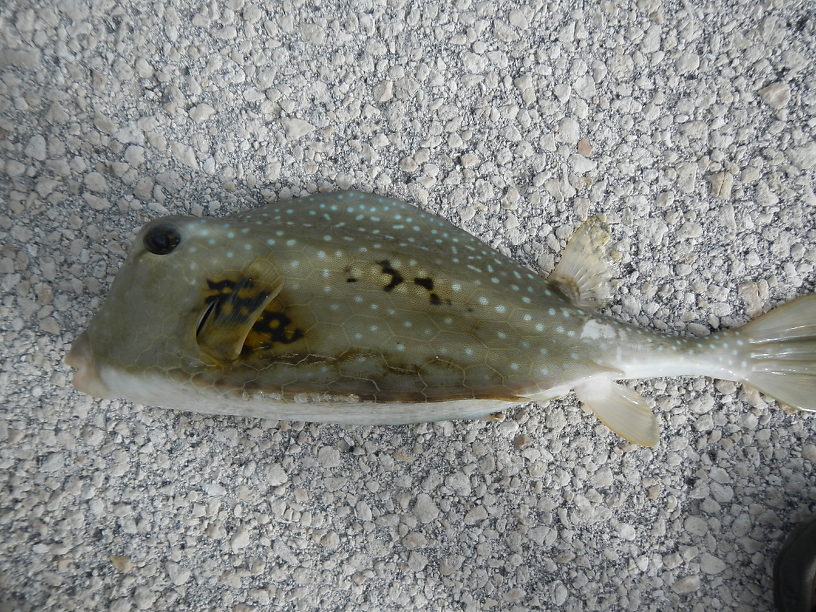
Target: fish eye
161	239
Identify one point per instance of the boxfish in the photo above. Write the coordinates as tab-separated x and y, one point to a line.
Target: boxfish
353	308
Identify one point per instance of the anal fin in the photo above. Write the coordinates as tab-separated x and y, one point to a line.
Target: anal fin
622	410
584	272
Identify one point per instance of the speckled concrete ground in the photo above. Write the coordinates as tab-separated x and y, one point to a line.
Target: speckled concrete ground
691	128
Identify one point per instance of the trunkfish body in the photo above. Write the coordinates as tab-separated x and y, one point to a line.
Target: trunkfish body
352	308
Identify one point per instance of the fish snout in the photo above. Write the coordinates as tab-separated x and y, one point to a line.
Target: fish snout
86	379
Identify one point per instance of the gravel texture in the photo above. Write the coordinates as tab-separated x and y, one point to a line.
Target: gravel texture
692	128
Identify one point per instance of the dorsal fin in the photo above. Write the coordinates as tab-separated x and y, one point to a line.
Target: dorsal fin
231	312
584	272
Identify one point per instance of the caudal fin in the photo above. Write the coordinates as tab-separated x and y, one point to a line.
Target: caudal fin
782	349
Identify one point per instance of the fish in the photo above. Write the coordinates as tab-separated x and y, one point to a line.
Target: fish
352	308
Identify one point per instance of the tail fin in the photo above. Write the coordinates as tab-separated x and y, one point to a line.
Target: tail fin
782	345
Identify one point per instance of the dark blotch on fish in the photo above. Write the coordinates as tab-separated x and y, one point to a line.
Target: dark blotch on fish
427	283
275	324
396	277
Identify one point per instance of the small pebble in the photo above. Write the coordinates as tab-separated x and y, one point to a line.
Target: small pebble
776	95
36	148
297	128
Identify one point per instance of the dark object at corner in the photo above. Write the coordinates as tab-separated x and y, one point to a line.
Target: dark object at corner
795	571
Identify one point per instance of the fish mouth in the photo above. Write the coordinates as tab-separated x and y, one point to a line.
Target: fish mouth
86	379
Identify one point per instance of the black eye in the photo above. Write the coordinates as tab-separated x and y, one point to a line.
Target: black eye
162	239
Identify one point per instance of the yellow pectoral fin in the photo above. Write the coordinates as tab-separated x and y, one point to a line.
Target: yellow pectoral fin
233	310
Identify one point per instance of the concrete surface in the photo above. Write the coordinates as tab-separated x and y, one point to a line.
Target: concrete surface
691	127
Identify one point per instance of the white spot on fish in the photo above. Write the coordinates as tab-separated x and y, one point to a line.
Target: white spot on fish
593	330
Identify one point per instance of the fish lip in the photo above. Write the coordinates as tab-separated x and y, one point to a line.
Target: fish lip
81	358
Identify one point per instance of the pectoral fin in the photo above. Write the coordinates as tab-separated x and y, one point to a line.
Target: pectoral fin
622	410
584	272
233	307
